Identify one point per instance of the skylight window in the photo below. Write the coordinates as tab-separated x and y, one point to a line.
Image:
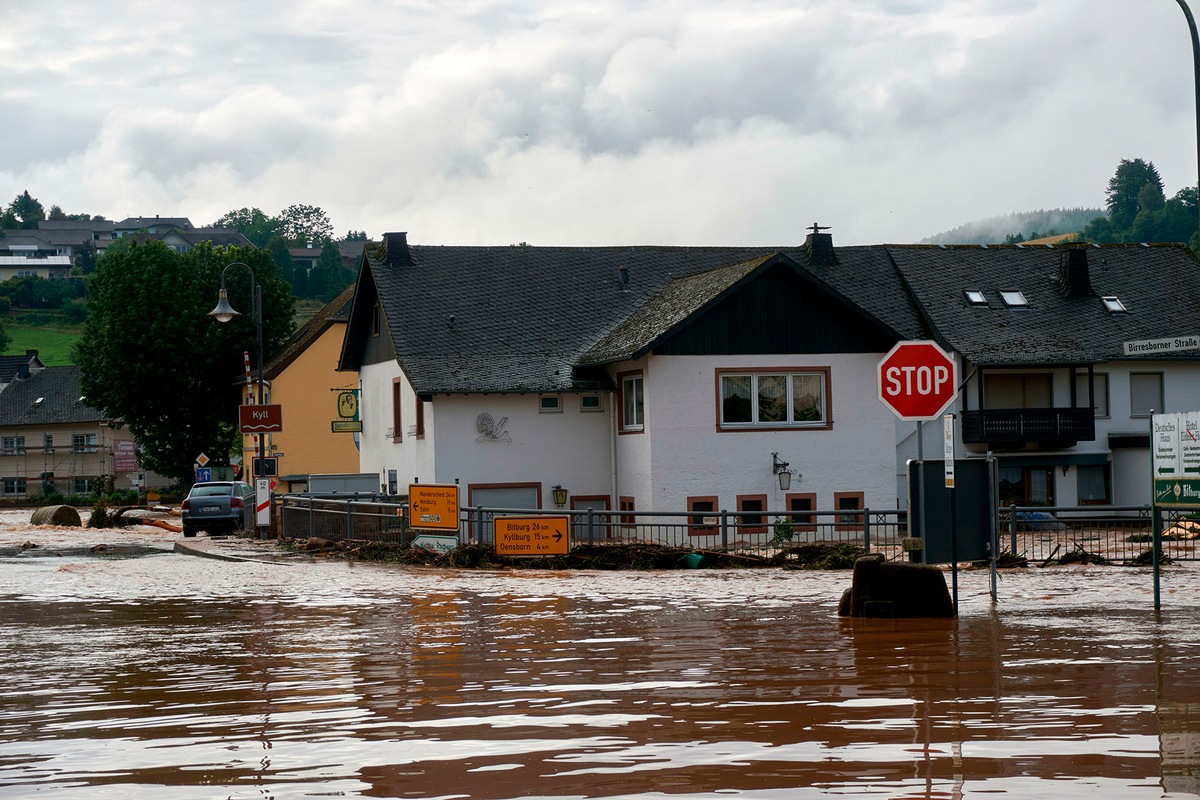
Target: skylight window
975	297
1013	298
1114	305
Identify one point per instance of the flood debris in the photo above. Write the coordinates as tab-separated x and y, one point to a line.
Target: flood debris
622	556
63	516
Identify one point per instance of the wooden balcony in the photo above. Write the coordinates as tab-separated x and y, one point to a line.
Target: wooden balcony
1016	427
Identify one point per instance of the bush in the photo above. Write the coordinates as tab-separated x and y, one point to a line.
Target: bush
75	310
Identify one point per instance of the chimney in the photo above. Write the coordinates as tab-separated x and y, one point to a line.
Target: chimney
820	246
1073	279
395	249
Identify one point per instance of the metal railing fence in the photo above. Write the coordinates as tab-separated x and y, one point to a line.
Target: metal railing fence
302	516
1118	534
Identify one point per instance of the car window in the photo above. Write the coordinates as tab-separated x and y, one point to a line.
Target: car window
211	490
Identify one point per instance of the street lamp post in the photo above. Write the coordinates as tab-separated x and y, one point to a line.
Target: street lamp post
1191	21
224	313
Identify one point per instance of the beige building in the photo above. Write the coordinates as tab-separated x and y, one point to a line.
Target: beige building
50	436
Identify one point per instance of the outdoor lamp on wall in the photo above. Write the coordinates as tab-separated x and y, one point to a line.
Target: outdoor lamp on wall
559	494
780	468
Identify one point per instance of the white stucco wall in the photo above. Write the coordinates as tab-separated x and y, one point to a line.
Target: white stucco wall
688	456
410	457
570	448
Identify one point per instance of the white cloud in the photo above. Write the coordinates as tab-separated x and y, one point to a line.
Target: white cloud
708	121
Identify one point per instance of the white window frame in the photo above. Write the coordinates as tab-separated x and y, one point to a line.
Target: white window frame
549	404
789	374
633	402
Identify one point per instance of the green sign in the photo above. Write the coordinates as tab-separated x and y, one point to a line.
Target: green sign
1177	491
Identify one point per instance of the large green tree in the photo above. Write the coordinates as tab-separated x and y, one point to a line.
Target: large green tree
330	276
301	224
251	223
151	356
26	211
1127	190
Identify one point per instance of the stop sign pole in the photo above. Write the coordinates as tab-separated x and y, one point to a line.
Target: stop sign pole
918	380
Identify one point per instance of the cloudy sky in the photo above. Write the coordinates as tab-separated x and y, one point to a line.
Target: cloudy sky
593	122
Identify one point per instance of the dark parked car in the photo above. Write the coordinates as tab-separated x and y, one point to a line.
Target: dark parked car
218	507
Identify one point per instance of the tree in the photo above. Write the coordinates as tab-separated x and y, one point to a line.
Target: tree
1125	188
302	224
330	275
278	248
251	223
56	214
151	357
355	236
26	211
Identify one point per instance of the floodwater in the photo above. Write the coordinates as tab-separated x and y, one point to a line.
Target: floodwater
170	676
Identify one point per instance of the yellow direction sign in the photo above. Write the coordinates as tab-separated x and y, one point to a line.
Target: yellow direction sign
532	536
433	506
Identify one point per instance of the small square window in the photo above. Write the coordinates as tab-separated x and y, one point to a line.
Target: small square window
1013	298
590	402
1114	305
975	297
550	404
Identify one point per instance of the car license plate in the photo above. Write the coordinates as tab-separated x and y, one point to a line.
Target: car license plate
209	509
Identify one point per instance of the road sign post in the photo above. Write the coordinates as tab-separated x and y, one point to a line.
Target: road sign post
532	536
433	506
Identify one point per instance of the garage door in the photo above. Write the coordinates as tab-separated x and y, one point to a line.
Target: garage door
502	497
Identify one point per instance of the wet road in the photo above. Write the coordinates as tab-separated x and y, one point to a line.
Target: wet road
171	676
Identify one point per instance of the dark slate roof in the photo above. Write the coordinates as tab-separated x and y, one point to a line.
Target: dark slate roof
58	388
137	223
670	306
523	319
10	365
1159	285
337	310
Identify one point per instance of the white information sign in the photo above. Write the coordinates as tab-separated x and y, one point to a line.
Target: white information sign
262	501
1176	445
948	448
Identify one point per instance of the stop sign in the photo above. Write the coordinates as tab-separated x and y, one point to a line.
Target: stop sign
918	380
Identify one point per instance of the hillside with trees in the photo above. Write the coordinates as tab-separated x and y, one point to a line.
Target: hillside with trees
1027	225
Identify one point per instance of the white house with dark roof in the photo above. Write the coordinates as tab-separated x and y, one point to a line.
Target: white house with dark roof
647	378
672	378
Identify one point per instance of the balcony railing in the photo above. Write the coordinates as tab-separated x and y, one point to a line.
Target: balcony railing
1061	427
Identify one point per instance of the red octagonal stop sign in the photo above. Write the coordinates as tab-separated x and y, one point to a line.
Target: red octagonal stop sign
918	380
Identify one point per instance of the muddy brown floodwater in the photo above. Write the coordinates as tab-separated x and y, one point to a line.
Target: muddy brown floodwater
170	676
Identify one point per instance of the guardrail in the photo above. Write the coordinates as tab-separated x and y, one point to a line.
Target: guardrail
1119	534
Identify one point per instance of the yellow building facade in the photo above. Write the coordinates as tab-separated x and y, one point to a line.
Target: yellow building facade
303	380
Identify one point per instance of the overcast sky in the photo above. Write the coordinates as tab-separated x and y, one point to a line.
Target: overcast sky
589	122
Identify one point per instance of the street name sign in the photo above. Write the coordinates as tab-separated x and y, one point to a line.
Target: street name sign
532	536
917	380
1174	344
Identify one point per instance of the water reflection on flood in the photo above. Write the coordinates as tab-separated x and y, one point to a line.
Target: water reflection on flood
175	677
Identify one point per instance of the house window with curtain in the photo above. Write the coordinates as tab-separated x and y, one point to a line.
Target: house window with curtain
786	398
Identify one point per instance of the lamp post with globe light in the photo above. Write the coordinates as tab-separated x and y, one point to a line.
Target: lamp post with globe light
224	312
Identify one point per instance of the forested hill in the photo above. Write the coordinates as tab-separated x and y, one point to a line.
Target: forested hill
995	229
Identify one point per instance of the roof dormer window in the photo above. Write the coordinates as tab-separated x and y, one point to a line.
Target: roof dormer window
1014	298
975	297
1113	305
